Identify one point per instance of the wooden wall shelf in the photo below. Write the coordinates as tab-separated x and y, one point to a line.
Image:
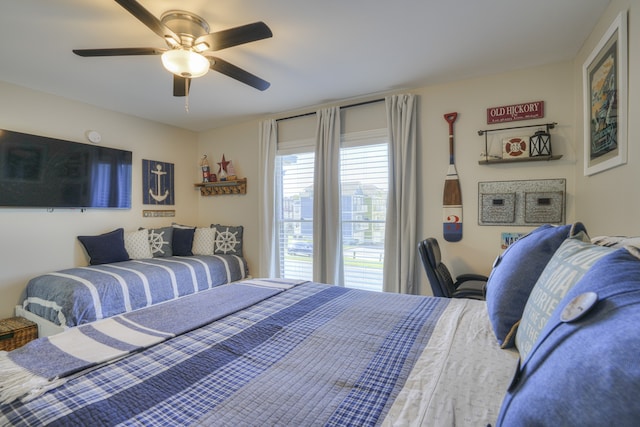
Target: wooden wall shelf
489	161
238	186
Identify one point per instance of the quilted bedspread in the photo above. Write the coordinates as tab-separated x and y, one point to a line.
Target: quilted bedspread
311	355
81	295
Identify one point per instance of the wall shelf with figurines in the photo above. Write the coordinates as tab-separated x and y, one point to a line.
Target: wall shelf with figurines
224	181
520	149
237	186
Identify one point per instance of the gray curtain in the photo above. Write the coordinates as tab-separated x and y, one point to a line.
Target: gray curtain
400	229
269	259
327	230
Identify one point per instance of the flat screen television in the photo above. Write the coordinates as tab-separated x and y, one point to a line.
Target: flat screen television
37	171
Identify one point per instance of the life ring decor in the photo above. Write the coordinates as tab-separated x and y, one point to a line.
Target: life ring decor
517	146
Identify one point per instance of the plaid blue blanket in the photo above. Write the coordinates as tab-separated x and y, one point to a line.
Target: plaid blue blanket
312	355
48	362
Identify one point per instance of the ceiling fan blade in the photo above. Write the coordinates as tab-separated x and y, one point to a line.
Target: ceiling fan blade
125	51
149	20
181	86
235	36
239	74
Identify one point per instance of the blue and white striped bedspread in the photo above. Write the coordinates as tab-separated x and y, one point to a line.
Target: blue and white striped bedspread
84	294
311	355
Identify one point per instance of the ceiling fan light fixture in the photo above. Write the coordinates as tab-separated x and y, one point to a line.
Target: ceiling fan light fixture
185	63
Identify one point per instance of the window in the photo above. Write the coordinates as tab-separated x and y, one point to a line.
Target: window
364	187
364	182
295	179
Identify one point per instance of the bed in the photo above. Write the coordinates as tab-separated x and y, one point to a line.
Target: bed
271	352
555	343
75	296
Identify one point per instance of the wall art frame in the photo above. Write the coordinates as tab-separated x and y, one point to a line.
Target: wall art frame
605	80
157	182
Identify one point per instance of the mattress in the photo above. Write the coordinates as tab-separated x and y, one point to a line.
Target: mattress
80	295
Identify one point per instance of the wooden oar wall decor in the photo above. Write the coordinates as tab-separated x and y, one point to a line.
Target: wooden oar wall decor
452	197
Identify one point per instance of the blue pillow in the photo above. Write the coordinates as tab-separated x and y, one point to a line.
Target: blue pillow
105	248
575	256
515	273
585	371
182	241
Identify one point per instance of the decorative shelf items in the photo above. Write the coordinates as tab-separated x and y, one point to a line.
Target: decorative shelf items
536	147
223	182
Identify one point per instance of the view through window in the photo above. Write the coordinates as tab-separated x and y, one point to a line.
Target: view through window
364	182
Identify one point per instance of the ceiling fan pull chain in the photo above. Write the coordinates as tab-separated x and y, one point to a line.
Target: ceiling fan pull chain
186	96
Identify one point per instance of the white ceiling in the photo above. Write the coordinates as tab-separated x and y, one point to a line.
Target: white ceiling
320	51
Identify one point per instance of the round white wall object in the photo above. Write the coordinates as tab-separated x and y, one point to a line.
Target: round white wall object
94	136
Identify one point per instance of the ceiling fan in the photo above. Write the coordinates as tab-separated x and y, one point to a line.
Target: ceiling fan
190	46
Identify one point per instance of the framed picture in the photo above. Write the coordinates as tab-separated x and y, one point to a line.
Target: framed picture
605	100
157	183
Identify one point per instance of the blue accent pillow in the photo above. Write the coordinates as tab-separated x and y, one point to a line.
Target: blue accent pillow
182	241
585	371
105	248
575	256
515	273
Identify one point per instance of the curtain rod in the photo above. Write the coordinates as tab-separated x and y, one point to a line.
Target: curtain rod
357	104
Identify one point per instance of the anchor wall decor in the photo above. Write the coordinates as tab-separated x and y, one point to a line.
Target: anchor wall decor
157	183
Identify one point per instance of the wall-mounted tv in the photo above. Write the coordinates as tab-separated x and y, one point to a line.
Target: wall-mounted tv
37	171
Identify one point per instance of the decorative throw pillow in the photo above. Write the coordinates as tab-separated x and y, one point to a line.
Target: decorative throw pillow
204	241
105	248
616	241
228	239
516	271
137	244
176	225
569	263
584	370
183	241
161	241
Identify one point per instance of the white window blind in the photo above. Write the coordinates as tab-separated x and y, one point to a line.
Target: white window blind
295	177
364	183
364	187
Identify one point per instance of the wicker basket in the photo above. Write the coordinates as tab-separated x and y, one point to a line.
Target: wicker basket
16	332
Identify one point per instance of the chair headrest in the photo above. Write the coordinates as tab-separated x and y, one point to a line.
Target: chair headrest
433	251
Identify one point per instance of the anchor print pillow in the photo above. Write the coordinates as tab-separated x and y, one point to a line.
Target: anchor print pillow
228	239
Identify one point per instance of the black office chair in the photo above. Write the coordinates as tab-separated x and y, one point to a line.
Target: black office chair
442	284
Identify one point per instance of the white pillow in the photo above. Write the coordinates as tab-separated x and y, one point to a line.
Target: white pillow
204	241
137	244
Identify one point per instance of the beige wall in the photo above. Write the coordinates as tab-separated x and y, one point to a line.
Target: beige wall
239	144
35	241
480	245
